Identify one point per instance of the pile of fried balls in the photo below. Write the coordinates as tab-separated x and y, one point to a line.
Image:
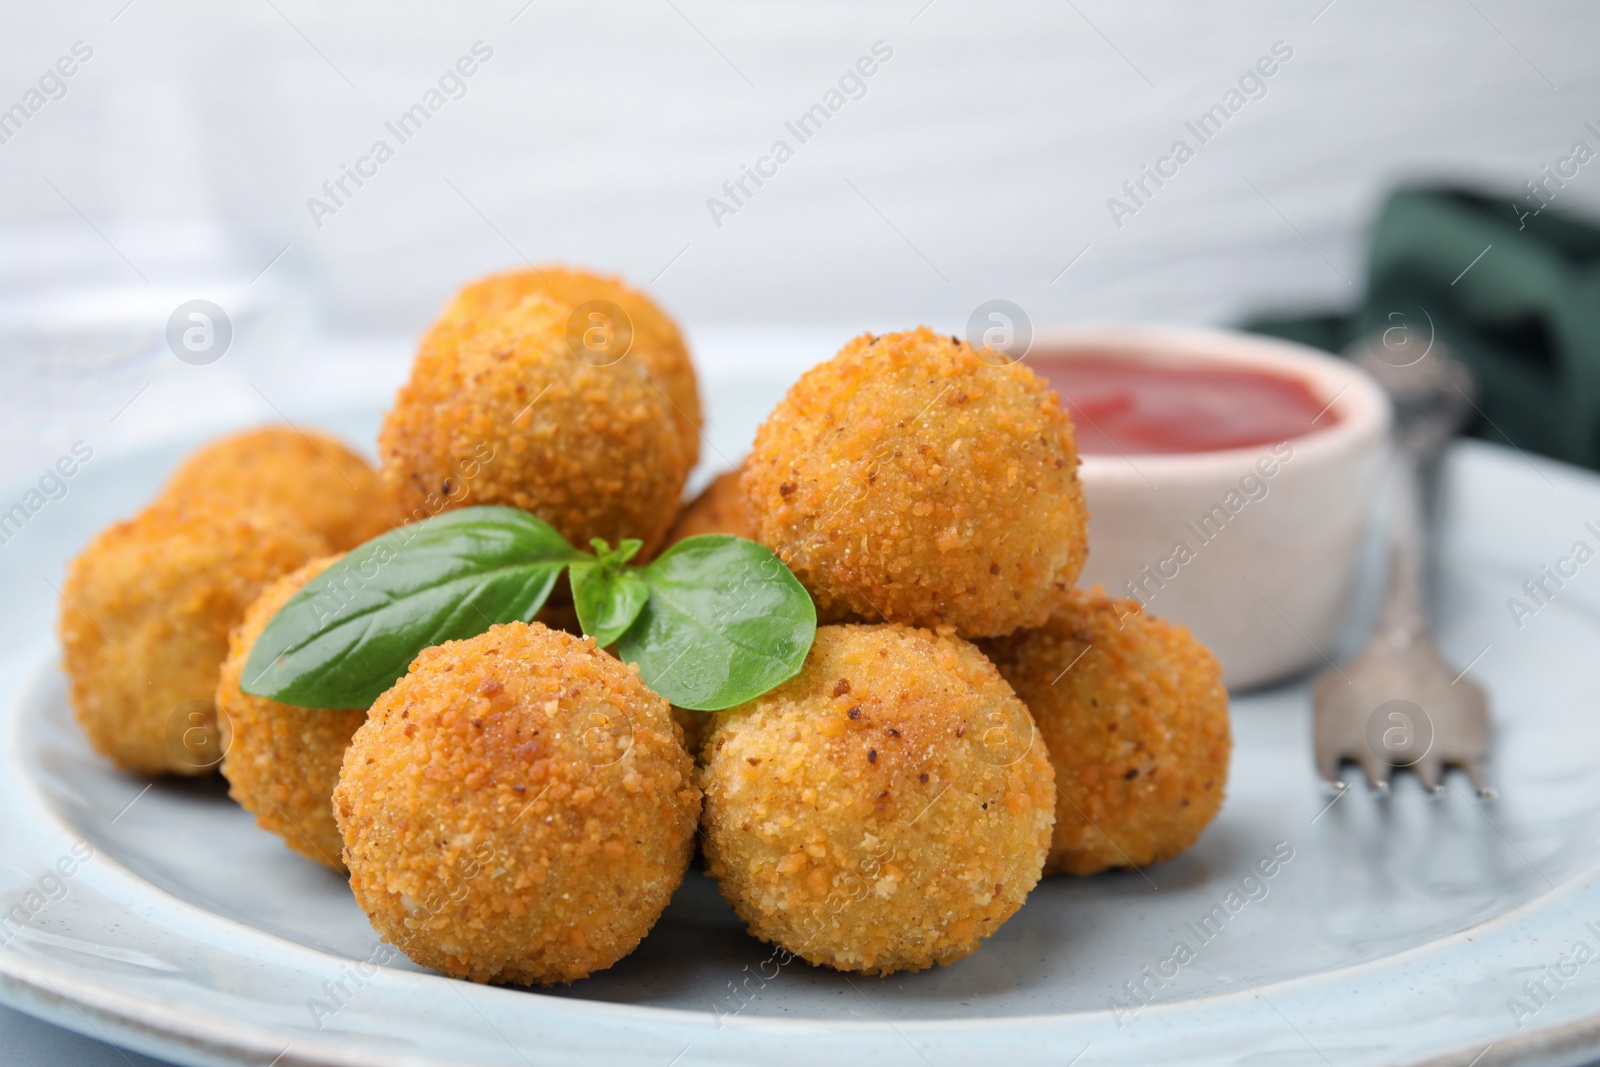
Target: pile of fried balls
520	807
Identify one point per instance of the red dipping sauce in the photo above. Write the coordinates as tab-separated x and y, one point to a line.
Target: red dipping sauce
1127	407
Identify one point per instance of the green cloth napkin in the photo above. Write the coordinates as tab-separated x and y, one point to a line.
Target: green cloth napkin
1512	286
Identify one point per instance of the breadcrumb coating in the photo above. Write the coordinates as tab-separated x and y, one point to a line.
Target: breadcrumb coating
146	610
908	479
1135	717
886	809
283	761
510	416
657	342
311	475
720	508
517	808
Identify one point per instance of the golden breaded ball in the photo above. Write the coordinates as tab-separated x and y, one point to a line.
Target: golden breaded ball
283	761
1135	716
910	479
145	616
656	343
511	416
884	810
720	508
517	808
313	476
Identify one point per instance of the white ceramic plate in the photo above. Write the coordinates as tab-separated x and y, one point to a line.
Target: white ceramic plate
1399	932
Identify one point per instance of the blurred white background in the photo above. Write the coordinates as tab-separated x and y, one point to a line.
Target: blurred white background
977	164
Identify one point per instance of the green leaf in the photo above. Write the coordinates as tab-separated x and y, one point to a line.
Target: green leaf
352	631
614	558
608	598
725	622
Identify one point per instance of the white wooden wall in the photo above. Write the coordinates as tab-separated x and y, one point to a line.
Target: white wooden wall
975	162
978	164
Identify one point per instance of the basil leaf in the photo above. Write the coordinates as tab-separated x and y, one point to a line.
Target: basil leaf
608	599
352	631
725	622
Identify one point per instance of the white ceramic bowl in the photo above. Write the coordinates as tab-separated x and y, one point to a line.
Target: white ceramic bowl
1270	536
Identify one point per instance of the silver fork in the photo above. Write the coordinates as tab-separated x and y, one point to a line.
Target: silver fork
1398	703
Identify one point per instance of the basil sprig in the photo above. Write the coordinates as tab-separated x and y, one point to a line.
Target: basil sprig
607	596
726	621
712	622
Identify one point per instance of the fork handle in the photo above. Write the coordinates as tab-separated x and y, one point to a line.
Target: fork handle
1404	618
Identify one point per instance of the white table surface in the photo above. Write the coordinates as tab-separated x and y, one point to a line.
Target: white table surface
27	1042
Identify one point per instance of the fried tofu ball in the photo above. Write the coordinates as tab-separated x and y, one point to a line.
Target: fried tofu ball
909	479
1135	717
884	810
720	508
656	341
511	416
517	808
313	476
283	761
145	616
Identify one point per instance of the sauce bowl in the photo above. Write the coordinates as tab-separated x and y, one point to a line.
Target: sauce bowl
1254	549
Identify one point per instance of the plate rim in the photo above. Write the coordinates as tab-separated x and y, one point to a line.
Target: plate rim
147	1024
